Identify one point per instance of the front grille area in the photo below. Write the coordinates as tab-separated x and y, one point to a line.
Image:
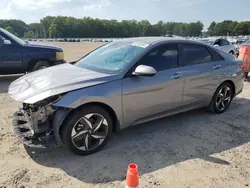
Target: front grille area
22	128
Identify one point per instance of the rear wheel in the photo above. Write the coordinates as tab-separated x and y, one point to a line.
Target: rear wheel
87	130
231	52
221	99
40	65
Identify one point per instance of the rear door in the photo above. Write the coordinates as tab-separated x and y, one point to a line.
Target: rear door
203	69
10	57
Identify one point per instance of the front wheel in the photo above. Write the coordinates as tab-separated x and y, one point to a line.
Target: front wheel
87	130
40	65
221	99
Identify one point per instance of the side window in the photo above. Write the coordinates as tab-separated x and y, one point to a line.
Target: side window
217	42
163	57
215	55
195	54
5	41
224	42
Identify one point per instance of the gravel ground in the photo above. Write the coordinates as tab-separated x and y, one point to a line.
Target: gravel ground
193	149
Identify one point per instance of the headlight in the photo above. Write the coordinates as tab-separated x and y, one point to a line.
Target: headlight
59	56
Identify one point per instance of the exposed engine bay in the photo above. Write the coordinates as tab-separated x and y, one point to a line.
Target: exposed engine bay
33	121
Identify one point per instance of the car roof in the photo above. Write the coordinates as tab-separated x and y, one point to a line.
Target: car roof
155	40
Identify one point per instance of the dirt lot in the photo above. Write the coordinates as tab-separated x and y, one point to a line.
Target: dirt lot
194	149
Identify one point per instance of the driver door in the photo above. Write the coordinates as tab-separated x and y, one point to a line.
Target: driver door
10	57
146	98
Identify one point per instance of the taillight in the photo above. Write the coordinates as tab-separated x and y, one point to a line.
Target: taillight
242	66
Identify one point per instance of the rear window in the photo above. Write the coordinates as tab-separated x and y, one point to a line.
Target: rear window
195	54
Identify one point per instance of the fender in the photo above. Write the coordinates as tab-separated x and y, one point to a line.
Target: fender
108	94
58	119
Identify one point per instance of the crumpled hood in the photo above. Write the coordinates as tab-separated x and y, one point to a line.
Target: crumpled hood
55	80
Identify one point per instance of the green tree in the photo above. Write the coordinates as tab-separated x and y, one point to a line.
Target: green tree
52	31
227	27
169	28
64	27
29	35
37	29
210	29
242	28
46	22
144	26
231	28
10	29
18	26
194	29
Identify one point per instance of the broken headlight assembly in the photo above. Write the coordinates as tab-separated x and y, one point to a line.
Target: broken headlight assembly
40	115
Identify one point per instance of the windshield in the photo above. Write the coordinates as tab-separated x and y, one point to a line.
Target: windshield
13	37
112	57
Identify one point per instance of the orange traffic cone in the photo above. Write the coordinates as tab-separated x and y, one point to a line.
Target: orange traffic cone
132	179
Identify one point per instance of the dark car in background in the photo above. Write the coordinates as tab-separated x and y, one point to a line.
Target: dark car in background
18	56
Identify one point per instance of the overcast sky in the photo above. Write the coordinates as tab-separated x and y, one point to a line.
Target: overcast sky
152	10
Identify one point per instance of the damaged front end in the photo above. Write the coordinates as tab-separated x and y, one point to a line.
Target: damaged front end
33	123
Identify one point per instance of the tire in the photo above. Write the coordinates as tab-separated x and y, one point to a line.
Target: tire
40	65
231	52
76	128
237	55
213	107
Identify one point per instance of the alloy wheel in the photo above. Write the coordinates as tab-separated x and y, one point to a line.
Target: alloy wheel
89	132
223	98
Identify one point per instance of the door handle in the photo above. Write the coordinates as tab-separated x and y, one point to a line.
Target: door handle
216	66
176	76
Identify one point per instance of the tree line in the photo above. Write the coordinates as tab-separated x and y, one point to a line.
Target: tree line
229	27
70	27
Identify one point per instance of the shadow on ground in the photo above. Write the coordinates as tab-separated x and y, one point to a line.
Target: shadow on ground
5	81
156	145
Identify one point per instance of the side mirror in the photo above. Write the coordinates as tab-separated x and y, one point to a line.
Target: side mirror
6	42
216	45
144	70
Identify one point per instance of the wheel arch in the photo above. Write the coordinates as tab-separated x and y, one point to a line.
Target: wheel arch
32	62
116	124
231	83
225	81
62	114
232	51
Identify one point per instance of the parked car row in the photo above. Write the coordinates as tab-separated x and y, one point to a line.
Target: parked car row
71	40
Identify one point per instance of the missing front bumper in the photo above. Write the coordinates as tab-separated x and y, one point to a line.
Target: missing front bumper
22	128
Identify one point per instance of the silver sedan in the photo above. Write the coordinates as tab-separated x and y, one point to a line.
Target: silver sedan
120	84
222	44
